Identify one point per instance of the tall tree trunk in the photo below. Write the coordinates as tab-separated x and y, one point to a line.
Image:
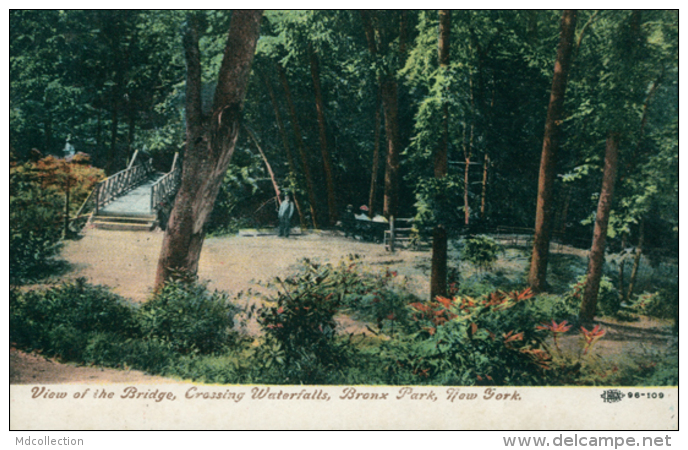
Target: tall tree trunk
210	142
389	103
130	138
299	143
596	263
99	133
636	259
111	166
483	191
555	113
389	93
287	150
48	131
622	263
322	128
438	276
376	158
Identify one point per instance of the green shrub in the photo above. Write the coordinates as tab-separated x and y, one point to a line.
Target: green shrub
50	319
109	349
481	251
662	304
34	231
608	302
189	317
37	196
300	327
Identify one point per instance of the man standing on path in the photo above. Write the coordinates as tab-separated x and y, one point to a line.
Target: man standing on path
286	210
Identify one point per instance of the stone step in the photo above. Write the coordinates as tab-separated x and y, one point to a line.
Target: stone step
124	226
130	218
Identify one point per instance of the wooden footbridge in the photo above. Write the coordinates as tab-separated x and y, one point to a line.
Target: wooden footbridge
132	198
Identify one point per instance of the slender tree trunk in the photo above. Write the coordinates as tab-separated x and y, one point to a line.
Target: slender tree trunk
112	156
48	131
210	142
389	93
322	128
483	191
130	138
299	143
596	263
555	113
268	167
376	157
438	276
636	259
622	264
99	133
390	106
287	150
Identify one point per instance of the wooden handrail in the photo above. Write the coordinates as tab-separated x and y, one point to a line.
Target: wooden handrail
166	186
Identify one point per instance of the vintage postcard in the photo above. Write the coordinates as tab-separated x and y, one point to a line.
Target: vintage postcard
344	220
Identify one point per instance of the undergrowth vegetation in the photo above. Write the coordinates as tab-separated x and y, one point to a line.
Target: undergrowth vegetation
480	335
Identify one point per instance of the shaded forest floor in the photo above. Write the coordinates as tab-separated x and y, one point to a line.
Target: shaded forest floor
126	263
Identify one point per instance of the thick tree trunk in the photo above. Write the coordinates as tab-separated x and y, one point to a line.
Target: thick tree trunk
376	158
555	113
287	150
322	128
299	143
596	263
636	260
210	143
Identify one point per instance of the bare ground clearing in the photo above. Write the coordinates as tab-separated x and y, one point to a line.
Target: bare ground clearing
126	262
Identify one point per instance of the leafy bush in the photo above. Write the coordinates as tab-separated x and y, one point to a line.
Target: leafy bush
109	349
662	304
300	325
481	251
37	196
34	227
59	319
608	302
188	317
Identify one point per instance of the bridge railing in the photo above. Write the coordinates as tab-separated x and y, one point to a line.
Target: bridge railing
120	183
166	186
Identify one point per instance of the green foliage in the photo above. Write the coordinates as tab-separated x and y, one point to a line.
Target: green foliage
436	203
608	302
188	317
37	202
662	304
481	251
240	187
300	325
61	320
34	226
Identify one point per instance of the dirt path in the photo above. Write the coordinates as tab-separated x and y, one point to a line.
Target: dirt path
30	368
126	261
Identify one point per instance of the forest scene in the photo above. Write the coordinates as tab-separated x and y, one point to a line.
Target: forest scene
374	197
